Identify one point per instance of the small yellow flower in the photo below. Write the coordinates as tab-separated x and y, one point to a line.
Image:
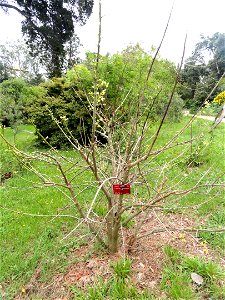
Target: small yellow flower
23	290
204	243
182	237
205	250
204	246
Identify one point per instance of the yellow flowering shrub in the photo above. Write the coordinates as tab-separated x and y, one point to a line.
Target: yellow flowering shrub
220	99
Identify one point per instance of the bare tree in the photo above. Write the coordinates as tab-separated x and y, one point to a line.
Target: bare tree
127	161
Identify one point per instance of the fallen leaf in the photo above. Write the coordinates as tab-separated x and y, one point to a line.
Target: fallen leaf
197	278
91	264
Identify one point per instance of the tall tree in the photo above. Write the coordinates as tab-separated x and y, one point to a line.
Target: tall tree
16	61
214	46
48	25
203	69
3	72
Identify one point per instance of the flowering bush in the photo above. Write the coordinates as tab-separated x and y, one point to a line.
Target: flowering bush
220	99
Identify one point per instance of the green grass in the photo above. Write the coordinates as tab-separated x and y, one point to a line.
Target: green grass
118	286
29	242
177	282
217	219
207	153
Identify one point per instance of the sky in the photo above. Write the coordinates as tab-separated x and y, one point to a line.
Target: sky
126	22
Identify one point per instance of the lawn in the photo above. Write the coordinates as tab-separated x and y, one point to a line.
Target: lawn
33	235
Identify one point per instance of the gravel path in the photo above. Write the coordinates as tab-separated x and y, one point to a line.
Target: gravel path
210	118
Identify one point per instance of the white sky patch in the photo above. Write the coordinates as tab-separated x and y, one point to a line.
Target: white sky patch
10	26
130	21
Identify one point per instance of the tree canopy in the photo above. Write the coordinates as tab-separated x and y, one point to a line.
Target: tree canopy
4	75
48	25
68	99
203	70
16	61
14	95
126	75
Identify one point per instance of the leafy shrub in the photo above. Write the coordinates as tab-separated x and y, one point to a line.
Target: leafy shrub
64	104
12	101
122	77
15	96
126	75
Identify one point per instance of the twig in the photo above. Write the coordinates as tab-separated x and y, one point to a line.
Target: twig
159	230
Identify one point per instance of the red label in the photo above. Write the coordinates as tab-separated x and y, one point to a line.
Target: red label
121	189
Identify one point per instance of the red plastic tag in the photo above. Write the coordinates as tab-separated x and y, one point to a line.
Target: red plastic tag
121	189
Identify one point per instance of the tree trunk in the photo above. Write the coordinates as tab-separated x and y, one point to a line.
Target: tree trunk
113	241
113	233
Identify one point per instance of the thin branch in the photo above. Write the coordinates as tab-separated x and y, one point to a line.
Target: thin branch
170	100
38	215
146	156
196	230
5	5
160	45
96	194
169	194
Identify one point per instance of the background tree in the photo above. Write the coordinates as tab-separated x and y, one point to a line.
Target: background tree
72	52
18	62
202	70
48	25
68	97
214	46
15	96
11	101
3	72
125	73
63	99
